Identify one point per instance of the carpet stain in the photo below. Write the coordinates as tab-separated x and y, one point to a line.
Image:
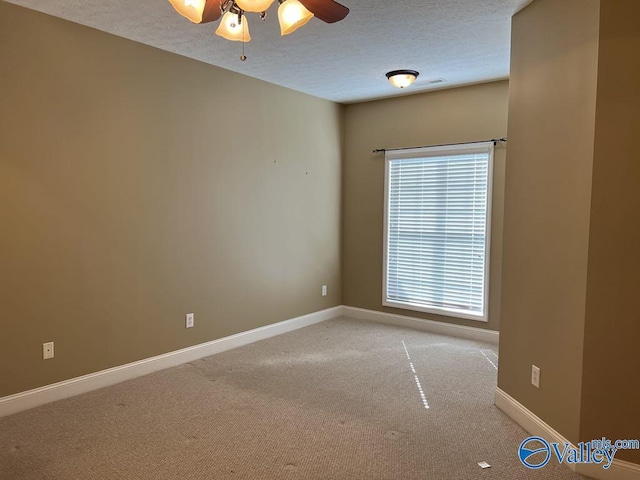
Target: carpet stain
393	434
14	449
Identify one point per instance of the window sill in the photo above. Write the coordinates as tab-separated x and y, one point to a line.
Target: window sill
447	312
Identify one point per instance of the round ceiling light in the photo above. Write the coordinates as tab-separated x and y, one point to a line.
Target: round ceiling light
402	78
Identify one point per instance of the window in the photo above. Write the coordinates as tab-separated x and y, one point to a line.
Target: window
438	203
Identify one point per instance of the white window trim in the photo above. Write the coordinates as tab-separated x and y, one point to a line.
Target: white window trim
449	150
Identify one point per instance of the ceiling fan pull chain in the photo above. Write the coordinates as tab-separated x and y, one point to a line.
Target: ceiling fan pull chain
243	57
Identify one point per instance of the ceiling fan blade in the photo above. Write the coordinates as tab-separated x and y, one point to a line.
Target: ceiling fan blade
326	10
211	11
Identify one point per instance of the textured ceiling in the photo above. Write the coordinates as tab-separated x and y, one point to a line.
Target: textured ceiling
460	41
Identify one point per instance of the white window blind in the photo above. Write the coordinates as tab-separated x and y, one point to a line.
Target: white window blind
437	229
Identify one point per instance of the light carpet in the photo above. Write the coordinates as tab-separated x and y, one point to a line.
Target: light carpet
343	399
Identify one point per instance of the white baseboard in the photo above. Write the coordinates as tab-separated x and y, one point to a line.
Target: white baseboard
86	383
526	419
461	331
75	386
619	469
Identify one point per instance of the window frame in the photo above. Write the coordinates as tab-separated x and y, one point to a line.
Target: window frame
423	152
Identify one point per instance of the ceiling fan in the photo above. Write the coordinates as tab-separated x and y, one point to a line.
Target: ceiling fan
292	14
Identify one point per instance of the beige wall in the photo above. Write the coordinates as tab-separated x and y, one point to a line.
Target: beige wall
137	186
610	390
458	115
547	206
571	262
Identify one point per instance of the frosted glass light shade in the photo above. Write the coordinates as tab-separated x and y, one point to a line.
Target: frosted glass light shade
230	29
292	15
190	9
254	5
402	78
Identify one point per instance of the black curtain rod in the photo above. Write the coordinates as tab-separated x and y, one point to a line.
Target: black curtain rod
494	140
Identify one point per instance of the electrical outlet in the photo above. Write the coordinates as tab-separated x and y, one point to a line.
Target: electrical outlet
47	350
189	320
324	290
535	376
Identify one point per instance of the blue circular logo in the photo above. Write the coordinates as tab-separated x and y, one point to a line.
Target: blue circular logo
534	452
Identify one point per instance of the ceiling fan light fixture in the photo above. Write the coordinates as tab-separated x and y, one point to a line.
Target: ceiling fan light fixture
257	6
402	78
232	29
190	9
292	15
